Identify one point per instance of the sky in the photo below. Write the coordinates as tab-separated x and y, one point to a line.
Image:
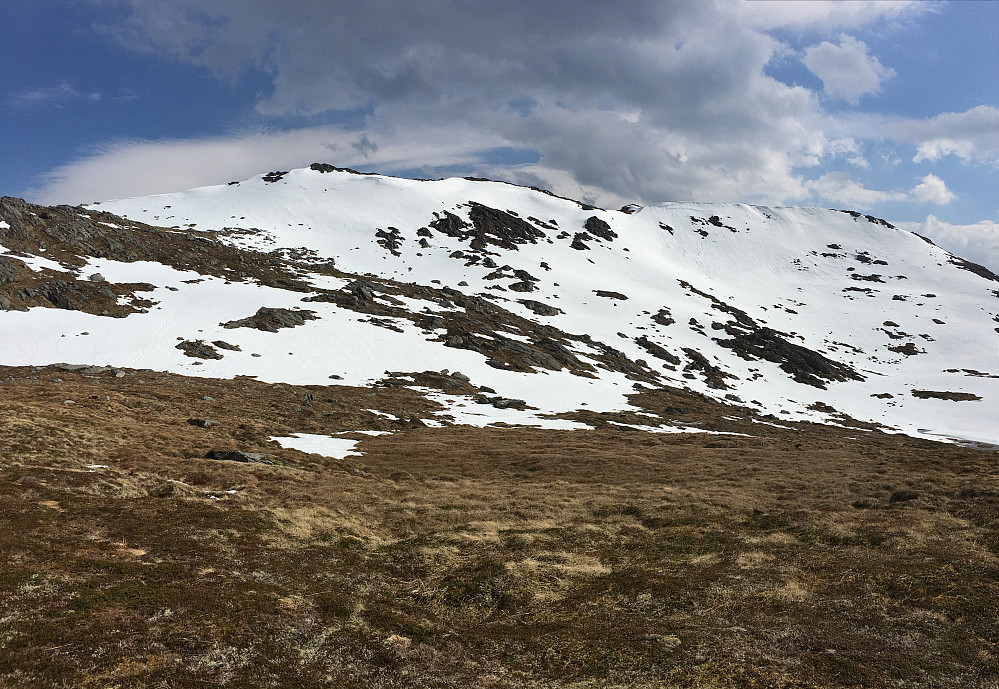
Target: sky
890	108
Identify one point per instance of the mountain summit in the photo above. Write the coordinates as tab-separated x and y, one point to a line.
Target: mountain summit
506	304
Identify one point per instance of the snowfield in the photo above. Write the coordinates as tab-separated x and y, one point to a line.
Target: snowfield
714	298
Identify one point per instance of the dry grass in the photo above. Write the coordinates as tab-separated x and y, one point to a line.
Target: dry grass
476	557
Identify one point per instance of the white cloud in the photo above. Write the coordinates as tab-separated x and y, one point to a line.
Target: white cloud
58	96
978	242
972	135
846	70
933	190
849	149
826	14
840	188
136	168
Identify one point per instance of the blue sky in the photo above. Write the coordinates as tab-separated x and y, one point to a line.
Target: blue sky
891	108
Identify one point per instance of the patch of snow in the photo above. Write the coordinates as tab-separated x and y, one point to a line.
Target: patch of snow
674	429
775	425
383	414
324	281
36	263
325	445
468	413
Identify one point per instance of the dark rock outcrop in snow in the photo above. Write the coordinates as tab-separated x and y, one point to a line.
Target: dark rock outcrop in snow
752	341
500	228
952	396
655	350
198	349
599	228
579	241
272	319
540	308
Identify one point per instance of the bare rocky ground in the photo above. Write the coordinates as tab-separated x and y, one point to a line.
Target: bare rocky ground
806	556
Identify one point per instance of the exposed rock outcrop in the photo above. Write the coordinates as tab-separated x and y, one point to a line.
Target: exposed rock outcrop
273	319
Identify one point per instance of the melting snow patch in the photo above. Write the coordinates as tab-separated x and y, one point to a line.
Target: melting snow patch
327	446
775	425
383	414
325	281
674	429
35	263
516	336
481	415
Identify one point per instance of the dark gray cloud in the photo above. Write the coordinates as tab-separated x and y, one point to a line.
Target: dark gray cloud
336	55
365	146
642	100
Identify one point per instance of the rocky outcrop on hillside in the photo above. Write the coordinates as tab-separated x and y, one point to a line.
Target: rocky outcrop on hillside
752	341
69	235
272	319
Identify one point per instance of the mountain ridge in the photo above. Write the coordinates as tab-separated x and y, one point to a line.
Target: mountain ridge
803	314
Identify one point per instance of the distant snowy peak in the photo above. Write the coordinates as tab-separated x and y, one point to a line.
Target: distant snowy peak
545	304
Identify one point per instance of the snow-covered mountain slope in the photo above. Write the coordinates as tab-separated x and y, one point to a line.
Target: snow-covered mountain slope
804	313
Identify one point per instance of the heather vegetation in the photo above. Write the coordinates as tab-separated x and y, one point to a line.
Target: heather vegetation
794	555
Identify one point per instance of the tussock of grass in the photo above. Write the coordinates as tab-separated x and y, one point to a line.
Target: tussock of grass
475	557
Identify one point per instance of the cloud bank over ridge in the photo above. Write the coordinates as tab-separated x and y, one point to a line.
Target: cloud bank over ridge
643	101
